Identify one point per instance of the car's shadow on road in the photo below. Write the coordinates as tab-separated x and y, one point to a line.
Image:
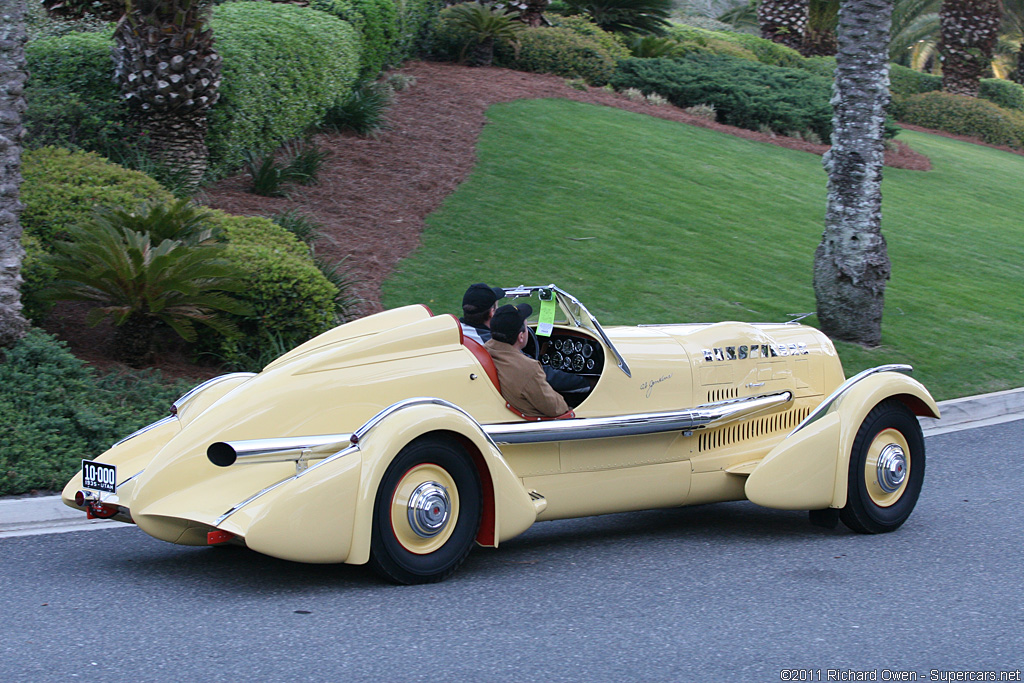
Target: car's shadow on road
727	524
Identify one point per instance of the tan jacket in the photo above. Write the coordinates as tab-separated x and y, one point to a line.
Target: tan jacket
523	383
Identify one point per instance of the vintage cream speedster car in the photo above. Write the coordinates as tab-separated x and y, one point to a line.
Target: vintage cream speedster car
386	440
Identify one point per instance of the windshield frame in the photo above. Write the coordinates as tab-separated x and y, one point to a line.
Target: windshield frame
575	313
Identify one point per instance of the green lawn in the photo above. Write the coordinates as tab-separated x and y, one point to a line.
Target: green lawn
652	221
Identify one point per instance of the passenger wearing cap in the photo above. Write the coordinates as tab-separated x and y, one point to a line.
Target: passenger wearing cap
478	305
521	378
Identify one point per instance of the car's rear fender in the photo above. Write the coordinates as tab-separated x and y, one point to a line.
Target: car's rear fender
809	470
508	509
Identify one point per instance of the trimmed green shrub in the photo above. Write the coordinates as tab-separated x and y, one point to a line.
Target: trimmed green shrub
736	45
57	411
72	98
1006	94
906	81
743	93
767	51
964	115
37	274
416	22
377	24
284	66
820	66
564	51
290	298
62	188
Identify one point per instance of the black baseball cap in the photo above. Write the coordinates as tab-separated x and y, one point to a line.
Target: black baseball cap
508	321
480	297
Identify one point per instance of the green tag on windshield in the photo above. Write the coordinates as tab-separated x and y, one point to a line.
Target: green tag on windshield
546	322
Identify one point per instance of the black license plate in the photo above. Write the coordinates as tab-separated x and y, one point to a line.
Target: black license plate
99	476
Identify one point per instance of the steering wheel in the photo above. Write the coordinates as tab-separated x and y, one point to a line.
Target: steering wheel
534	342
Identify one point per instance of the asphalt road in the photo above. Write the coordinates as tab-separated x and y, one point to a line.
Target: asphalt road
719	592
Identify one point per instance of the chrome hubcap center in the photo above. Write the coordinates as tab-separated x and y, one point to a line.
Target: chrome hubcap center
892	468
429	509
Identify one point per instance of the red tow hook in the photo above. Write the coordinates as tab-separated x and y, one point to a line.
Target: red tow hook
217	537
100	511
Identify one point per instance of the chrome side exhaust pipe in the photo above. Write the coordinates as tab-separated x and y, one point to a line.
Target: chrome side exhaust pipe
285	449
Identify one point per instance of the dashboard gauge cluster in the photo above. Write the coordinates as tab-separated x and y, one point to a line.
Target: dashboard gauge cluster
577	355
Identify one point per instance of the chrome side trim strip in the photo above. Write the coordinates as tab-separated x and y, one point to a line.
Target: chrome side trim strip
179	405
361	433
702	417
825	406
145	429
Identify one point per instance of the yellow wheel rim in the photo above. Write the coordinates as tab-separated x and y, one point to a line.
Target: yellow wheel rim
424	508
887	467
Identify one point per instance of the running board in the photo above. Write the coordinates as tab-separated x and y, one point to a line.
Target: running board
744	468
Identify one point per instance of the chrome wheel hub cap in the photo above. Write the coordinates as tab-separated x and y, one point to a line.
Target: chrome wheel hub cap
892	468
429	509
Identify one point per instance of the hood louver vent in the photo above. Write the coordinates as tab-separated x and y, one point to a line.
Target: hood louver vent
722	394
752	429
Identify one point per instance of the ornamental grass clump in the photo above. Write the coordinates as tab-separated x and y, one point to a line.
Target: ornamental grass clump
363	112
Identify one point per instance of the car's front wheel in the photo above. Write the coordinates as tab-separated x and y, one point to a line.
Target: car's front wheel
426	513
886	470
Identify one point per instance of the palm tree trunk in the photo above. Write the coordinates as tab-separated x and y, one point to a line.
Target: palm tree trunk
12	105
482	53
851	265
134	338
969	31
783	21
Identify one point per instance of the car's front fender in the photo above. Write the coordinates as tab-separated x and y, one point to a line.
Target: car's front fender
809	470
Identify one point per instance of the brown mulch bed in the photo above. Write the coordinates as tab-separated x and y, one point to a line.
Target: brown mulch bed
373	193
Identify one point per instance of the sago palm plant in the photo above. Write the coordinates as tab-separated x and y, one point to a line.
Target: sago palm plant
142	283
626	16
485	26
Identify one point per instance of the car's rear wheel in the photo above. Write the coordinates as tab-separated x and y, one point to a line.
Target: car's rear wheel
426	513
886	470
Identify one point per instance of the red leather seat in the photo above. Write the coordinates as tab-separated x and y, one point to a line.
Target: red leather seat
487	363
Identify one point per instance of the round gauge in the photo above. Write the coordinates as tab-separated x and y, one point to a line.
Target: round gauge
579	346
545	359
556	360
590	364
578	362
557	344
588	350
567	362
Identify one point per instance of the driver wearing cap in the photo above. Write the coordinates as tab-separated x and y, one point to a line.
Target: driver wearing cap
521	378
478	305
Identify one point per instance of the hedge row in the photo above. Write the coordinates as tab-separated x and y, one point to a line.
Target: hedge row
572	47
283	67
58	411
963	115
744	93
377	24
